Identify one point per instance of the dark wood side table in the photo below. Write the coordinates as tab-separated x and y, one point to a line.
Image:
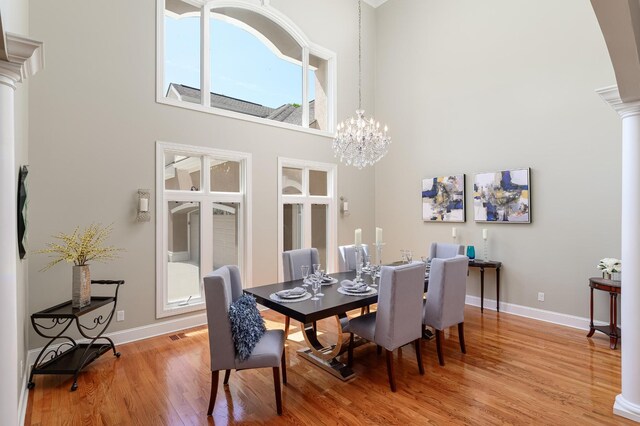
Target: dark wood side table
612	330
62	354
484	264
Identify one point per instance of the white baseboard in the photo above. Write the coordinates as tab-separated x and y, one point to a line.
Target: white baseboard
534	313
119	338
626	409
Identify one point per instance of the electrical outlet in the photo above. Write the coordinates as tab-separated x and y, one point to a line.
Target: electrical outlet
540	297
120	316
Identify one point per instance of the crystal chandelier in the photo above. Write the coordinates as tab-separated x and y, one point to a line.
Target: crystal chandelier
360	141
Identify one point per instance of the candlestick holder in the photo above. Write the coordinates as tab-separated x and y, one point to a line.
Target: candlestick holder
378	247
359	253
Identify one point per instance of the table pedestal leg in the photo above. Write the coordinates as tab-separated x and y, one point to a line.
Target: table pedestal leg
481	289
498	289
592	329
613	335
326	356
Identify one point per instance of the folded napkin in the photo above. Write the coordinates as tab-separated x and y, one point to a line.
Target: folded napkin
347	283
350	285
326	279
297	291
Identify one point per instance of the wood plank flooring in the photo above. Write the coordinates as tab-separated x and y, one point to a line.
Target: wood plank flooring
516	371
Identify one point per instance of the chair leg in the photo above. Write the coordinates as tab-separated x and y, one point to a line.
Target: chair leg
463	348
214	391
350	351
276	384
284	367
287	322
378	349
419	356
390	371
226	377
362	310
439	339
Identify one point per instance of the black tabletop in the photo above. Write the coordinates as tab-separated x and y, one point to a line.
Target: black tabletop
65	310
307	311
479	263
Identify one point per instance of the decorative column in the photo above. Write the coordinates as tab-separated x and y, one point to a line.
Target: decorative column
627	404
19	59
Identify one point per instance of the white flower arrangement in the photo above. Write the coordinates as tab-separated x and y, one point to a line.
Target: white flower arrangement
610	265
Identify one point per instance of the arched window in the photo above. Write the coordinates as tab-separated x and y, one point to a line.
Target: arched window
243	59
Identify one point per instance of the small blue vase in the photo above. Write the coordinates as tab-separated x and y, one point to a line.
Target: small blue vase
471	252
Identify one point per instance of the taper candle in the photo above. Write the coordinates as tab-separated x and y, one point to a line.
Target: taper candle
358	237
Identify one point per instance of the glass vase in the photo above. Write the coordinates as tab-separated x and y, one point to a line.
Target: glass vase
471	252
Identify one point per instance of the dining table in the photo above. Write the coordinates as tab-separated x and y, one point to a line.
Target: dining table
308	312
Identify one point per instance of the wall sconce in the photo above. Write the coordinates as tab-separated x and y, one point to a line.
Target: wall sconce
143	205
344	206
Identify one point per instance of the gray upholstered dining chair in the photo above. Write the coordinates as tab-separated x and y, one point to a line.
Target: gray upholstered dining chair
292	261
444	306
445	250
397	321
347	257
222	287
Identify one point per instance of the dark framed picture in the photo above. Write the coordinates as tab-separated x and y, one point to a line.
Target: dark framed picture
443	199
503	196
22	211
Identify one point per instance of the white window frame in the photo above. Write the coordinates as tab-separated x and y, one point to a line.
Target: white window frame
307	200
207	199
261	7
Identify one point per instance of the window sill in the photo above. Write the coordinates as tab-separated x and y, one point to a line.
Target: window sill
217	111
170	311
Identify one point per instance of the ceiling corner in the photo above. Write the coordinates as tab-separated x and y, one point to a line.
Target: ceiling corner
375	3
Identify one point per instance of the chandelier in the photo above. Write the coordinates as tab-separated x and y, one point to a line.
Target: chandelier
360	141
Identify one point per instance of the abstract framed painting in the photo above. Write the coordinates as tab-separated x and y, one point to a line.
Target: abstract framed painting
502	197
443	199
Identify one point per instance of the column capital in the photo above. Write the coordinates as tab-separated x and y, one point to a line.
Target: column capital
611	96
25	57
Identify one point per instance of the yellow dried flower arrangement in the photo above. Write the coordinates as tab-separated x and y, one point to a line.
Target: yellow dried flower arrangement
80	248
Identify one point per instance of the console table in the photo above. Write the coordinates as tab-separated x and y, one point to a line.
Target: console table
484	264
67	356
614	289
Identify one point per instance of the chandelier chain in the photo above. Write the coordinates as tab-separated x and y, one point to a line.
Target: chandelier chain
359	54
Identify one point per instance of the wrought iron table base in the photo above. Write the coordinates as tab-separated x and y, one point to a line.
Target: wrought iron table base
62	354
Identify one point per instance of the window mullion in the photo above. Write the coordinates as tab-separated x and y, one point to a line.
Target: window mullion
305	87
205	57
206	239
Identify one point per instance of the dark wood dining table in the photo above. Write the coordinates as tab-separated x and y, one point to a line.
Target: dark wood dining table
307	312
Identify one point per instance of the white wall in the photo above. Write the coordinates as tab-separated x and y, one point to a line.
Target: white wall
94	123
470	86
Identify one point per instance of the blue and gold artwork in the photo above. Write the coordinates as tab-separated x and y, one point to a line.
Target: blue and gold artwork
443	199
502	197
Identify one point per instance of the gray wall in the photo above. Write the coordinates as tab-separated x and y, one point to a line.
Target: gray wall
15	17
470	86
94	124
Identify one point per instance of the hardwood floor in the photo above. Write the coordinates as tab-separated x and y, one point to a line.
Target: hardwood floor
516	371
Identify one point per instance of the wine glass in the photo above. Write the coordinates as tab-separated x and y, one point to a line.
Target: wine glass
320	277
316	266
374	274
408	255
403	255
305	275
368	263
315	285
